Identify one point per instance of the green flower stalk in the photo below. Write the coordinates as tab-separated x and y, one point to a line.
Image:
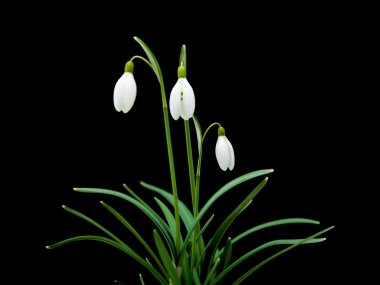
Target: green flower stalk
181	254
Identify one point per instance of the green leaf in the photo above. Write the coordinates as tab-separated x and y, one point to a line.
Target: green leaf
184	212
261	247
165	257
91	221
196	278
198	131
217	195
113	243
186	272
190	163
217	252
272	224
141	279
211	274
134	195
215	240
253	269
152	59
205	227
169	217
230	185
135	233
226	254
162	226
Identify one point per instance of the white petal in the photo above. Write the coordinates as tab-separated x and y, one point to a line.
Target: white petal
222	152
124	94
232	155
117	93
175	101
183	113
188	102
130	90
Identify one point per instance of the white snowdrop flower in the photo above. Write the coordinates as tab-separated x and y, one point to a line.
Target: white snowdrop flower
124	94
224	151
182	99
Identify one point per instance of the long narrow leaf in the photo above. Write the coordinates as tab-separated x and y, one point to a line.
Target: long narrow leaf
198	131
141	279
184	212
186	272
211	274
230	185
264	246
226	254
273	224
217	252
152	59
211	201
214	243
168	215
205	227
113	243
253	269
91	221
163	227
165	257
134	195
216	196
135	233
196	278
201	258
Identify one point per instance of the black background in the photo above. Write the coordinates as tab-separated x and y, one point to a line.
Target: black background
279	91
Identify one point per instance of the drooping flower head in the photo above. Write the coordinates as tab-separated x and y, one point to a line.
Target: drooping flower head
224	151
182	99
124	94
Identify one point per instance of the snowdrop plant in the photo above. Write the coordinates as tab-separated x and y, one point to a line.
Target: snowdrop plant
178	252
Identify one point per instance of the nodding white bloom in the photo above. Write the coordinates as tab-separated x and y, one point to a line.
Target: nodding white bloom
124	94
224	151
182	99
